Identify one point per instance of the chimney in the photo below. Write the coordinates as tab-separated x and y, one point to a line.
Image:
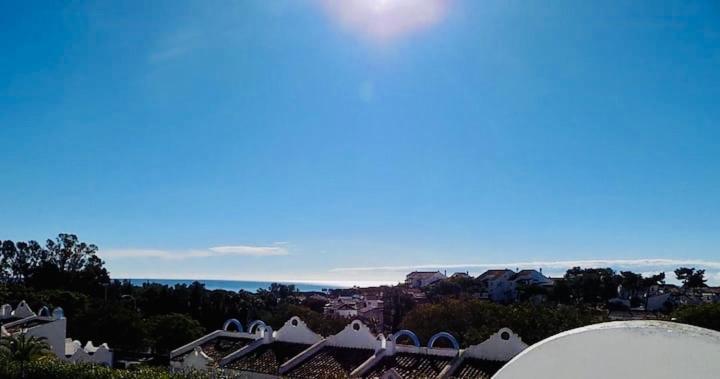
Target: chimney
541	270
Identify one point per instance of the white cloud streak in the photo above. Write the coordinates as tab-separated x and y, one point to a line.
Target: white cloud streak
651	263
216	251
255	251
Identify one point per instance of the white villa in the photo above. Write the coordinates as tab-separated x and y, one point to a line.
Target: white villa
420	279
501	285
53	328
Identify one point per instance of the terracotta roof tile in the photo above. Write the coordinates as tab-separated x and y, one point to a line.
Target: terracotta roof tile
410	365
267	359
331	362
472	368
218	347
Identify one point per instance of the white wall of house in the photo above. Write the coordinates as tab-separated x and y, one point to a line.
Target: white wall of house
625	349
347	313
54	334
502	288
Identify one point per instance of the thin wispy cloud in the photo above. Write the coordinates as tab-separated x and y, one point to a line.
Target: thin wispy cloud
175	45
651	264
384	20
216	251
255	251
168	53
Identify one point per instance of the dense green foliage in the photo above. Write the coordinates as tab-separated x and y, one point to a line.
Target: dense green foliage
67	273
703	315
50	368
473	321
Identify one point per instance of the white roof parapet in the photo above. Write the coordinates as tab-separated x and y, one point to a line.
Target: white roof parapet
370	363
80	355
103	355
501	346
5	311
355	335
23	310
296	330
71	346
197	359
642	349
89	347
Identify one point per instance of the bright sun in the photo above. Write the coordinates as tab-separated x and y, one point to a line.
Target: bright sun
385	19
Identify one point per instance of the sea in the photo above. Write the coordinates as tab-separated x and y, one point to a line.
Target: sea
236	285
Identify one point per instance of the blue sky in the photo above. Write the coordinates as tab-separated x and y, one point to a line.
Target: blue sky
302	140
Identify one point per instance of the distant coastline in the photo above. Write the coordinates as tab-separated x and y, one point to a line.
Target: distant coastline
234	285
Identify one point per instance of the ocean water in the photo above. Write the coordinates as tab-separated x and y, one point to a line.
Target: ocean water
233	285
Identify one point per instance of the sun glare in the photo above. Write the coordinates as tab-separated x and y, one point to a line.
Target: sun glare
384	20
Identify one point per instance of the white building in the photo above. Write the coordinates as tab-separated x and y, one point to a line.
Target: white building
499	285
420	279
53	328
532	278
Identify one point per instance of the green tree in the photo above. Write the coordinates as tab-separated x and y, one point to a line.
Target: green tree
653	280
592	285
23	349
167	332
690	277
703	315
473	321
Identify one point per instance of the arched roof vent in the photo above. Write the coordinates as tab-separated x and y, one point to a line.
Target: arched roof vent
406	333
58	313
233	321
445	335
44	312
255	324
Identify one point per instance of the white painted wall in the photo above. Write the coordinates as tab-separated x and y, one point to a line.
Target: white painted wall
624	349
295	330
54	333
497	348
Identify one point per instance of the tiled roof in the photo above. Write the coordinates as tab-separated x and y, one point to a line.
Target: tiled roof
422	274
331	363
410	365
472	368
219	347
267	359
493	274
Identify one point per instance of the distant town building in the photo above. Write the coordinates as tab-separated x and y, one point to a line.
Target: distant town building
531	277
420	279
461	275
498	285
369	309
502	285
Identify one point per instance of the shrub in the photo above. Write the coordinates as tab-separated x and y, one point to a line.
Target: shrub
55	369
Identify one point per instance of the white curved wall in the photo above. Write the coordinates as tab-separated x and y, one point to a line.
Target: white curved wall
625	349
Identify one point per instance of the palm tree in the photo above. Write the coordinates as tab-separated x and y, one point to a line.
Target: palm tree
23	349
